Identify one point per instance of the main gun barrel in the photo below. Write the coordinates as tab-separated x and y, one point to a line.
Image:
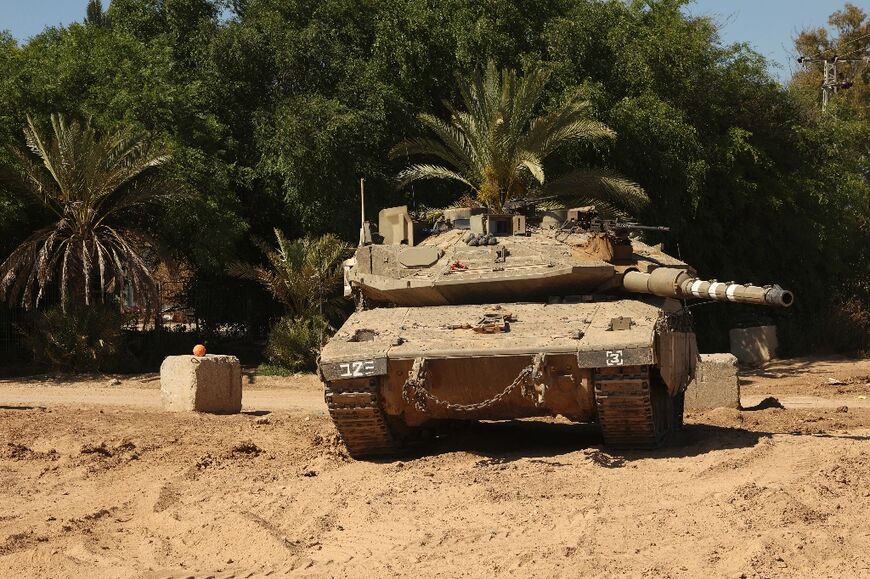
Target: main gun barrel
671	282
636	227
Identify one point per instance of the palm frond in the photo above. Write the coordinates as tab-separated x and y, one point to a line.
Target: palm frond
533	164
422	172
475	135
598	186
22	177
452	137
575	130
304	275
569	122
432	148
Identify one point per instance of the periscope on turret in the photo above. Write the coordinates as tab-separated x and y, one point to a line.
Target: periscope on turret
499	316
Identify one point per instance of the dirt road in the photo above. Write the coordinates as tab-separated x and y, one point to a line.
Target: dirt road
97	481
132	394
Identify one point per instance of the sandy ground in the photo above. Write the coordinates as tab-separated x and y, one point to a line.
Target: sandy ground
96	481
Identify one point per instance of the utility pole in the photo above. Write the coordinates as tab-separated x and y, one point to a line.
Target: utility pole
831	78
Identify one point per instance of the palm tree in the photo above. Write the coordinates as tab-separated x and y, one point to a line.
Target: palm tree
496	145
305	275
88	182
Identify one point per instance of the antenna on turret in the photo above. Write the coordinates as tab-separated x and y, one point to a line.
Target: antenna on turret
362	205
365	230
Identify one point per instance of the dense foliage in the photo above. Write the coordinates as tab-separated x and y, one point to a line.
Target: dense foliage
275	108
306	277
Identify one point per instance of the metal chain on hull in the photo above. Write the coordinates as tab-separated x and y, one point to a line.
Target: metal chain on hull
416	391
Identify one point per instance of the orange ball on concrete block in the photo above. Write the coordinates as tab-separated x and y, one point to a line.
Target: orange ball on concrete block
199	350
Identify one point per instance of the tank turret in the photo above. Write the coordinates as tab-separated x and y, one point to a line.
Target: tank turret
511	315
473	256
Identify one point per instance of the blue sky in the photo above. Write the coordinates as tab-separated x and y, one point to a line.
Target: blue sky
768	25
24	18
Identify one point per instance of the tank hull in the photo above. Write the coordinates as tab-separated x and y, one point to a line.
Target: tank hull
619	363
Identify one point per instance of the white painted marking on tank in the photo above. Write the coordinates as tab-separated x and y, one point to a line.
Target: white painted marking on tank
614	358
357	369
712	291
729	293
695	287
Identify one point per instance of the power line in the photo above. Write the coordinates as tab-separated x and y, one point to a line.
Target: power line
847	42
859	49
819	53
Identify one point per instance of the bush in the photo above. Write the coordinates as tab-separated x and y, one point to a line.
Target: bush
850	323
78	340
840	325
273	370
845	327
295	342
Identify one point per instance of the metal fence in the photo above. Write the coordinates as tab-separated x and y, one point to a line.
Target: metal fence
14	322
230	317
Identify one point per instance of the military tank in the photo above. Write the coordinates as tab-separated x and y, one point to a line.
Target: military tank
489	316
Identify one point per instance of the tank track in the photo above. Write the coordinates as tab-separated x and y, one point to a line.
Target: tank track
634	411
356	412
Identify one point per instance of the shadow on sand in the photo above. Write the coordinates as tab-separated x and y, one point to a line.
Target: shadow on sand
503	442
546	442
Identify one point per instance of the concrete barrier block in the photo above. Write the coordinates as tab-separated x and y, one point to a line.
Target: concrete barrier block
715	384
201	384
754	346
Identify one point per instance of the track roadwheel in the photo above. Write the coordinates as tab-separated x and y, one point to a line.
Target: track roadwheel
679	405
634	408
662	409
355	409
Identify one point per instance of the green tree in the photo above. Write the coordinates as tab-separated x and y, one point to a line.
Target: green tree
94	14
275	108
148	68
89	183
836	177
496	145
